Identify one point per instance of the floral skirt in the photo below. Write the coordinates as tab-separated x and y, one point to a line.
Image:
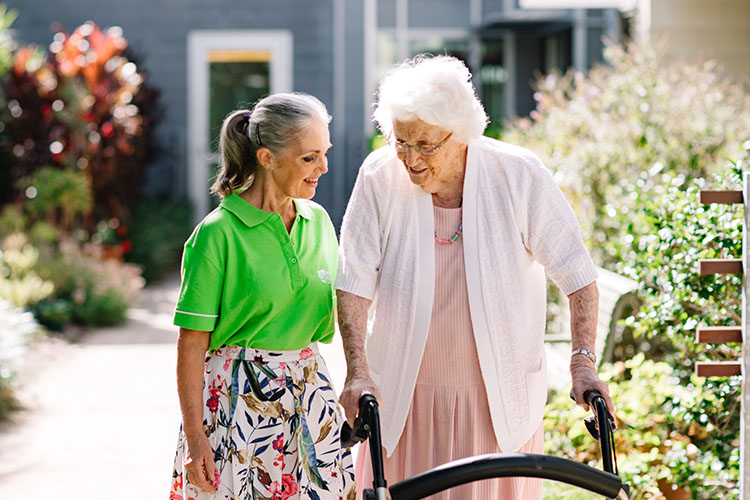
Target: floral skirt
273	421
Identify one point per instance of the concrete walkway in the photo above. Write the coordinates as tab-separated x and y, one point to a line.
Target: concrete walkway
101	416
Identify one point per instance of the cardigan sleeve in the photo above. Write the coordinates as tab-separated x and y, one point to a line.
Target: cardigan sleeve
550	230
360	254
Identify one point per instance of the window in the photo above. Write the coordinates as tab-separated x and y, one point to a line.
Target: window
237	78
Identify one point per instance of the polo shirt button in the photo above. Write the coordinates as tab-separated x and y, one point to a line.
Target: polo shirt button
294	261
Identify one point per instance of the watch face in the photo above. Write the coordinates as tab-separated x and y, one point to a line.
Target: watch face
585	352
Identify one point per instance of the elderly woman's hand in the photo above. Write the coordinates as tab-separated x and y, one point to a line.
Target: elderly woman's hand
583	373
354	387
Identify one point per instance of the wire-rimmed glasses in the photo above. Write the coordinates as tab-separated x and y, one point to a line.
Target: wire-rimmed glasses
423	149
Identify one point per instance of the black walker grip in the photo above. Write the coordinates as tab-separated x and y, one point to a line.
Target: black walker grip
360	432
601	428
367	426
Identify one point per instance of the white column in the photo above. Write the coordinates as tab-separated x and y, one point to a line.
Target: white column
475	13
475	47
643	21
197	106
509	61
745	406
580	41
612	25
402	28
509	64
339	102
370	31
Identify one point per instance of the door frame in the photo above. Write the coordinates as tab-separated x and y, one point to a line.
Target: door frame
200	42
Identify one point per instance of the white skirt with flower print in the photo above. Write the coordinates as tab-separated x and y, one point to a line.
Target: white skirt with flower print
273	421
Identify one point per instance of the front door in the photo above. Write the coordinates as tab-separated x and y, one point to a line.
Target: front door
227	70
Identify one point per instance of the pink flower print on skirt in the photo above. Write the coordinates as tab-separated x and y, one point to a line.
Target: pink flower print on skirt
273	421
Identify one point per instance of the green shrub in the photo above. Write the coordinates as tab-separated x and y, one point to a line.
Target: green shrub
53	313
7	17
57	196
626	143
684	433
19	282
630	129
101	309
59	261
16	329
674	425
677	232
156	234
99	290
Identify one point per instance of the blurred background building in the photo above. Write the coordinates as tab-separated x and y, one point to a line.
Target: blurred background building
210	57
693	30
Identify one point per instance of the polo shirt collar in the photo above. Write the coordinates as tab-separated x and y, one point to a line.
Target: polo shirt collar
252	216
303	208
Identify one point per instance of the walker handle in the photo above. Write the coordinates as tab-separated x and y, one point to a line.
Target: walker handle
360	432
601	427
367	426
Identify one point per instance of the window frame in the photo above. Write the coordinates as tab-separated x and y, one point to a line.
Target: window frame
279	43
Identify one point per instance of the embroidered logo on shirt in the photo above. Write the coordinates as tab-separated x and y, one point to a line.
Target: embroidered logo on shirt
325	276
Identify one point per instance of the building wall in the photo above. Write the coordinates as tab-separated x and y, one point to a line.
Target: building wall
158	31
333	59
697	30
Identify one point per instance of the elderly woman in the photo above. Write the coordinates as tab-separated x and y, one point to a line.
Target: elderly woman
260	418
451	234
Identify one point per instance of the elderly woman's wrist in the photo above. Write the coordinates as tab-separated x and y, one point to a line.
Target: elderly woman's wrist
581	363
358	372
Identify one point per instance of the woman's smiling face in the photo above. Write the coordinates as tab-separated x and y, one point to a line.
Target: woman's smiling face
297	168
433	171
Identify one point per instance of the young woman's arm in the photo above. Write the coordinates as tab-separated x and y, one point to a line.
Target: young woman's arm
199	458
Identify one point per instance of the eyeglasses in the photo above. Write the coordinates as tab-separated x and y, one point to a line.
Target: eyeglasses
422	149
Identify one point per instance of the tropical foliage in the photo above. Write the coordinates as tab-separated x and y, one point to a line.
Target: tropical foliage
82	105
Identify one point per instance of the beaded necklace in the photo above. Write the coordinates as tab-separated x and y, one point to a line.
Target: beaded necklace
452	239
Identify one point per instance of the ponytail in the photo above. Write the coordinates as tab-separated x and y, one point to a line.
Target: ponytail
238	159
274	123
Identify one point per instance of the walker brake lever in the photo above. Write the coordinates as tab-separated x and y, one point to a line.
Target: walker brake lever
351	436
361	430
591	420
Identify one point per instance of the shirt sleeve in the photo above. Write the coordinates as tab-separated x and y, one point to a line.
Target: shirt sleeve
200	292
551	232
360	243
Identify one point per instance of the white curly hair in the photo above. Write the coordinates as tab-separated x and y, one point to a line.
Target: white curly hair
436	90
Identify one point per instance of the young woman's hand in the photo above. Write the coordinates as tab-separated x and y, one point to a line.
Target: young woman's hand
199	463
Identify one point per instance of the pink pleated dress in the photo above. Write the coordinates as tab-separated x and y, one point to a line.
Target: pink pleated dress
449	417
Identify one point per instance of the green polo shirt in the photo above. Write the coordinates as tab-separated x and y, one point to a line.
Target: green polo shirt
251	283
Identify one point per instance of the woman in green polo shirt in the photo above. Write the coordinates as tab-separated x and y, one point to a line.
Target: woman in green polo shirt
260	418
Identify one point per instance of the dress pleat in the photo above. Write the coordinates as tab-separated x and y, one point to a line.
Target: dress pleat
449	417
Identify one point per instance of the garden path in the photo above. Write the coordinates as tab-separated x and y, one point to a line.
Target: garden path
101	415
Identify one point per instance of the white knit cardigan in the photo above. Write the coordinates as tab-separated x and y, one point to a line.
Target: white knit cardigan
516	225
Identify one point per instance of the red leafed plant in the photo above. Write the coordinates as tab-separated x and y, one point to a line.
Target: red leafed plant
83	104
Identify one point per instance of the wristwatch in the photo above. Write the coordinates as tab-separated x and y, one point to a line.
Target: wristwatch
585	352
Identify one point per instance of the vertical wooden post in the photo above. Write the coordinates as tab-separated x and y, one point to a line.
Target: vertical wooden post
745	401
